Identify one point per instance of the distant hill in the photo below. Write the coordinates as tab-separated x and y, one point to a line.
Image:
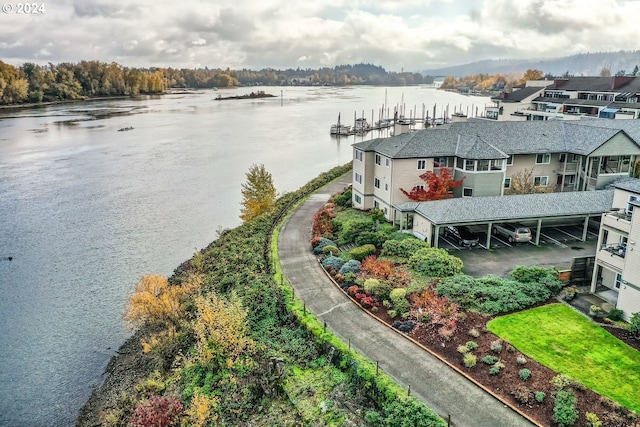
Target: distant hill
584	64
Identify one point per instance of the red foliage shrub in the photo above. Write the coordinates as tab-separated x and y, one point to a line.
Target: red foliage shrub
373	267
323	222
157	411
441	310
353	290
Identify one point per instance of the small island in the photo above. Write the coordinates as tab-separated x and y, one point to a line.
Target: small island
252	95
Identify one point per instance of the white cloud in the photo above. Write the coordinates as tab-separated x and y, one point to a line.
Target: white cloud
409	34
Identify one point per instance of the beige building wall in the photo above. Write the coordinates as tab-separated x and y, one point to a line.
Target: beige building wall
364	190
629	293
528	161
423	227
406	175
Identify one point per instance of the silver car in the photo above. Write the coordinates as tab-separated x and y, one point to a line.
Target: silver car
514	232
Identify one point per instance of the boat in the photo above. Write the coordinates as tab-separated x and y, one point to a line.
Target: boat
340	129
383	124
361	125
125	129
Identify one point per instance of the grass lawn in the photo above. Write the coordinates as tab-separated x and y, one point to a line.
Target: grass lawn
568	343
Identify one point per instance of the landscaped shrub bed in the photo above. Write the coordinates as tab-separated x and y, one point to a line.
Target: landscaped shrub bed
448	313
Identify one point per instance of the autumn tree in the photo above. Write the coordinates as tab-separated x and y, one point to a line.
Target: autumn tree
155	301
438	186
523	182
531	75
258	193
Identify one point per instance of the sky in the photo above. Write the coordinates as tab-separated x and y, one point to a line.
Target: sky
399	35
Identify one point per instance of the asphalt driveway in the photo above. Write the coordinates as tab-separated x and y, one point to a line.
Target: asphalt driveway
440	387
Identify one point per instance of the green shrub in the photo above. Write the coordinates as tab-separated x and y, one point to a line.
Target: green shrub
331	250
399	300
352	266
361	252
333	262
403	248
593	420
379	289
463	349
490	360
634	325
472	345
407	412
399	235
349	230
539	396
376	238
496	346
469	360
524	374
474	332
321	244
496	368
343	198
434	262
616	314
565	413
539	275
562	381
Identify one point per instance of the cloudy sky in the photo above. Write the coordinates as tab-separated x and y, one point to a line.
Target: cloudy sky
397	34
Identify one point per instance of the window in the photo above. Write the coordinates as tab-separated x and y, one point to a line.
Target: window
507	183
386	187
540	181
359	155
467	192
569	179
496	165
358	178
483	165
575	158
543	159
562	157
509	160
386	211
376	182
357	198
469	165
618	281
442	162
378	159
630	205
422	164
376	204
387	162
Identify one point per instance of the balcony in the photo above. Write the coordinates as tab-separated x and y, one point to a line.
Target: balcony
620	221
612	256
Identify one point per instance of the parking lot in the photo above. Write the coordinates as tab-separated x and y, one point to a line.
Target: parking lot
562	236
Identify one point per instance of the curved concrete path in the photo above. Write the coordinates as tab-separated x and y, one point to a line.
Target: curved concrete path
440	387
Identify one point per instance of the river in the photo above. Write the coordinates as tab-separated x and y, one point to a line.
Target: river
86	210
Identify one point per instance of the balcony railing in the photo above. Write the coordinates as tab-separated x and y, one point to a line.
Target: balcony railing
615	249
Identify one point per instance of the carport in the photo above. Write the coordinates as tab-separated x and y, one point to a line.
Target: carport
426	219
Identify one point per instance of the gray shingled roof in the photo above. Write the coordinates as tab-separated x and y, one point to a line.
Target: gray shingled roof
629	184
518	95
597	84
530	137
514	207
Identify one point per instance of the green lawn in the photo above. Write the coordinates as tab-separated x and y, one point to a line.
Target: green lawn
568	343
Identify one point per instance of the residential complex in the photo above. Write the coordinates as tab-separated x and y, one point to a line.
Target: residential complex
569	98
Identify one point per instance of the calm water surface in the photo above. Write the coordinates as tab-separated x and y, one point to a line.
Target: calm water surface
86	210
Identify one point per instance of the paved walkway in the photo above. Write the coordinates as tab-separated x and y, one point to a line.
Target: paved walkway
440	387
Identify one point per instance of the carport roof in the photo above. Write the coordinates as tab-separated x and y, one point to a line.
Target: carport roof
509	208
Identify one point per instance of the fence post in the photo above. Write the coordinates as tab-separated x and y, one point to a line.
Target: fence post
409	390
377	368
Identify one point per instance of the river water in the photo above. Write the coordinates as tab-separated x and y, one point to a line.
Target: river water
86	210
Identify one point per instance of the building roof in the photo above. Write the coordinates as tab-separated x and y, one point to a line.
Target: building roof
598	84
628	184
519	207
484	139
518	95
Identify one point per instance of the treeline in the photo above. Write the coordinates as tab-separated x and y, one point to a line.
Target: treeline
482	82
32	83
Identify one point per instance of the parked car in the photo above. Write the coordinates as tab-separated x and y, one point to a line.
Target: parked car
513	231
462	235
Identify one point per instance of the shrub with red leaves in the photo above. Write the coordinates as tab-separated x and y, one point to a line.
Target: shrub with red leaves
157	411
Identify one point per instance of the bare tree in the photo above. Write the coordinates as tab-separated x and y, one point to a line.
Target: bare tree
523	182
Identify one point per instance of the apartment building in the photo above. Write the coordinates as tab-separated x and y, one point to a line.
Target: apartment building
616	274
490	155
569	98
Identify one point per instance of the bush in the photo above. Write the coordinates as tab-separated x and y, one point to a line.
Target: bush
371	238
524	374
403	248
361	252
320	244
334	262
399	300
496	346
474	332
593	420
521	360
343	198
157	411
490	360
404	326
348	231
352	266
331	250
634	325
522	394
565	413
469	360
616	314
378	289
399	235
472	345
463	349
434	262
539	396
496	368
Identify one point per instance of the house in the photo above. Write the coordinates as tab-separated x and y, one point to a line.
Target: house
490	155
616	273
569	98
